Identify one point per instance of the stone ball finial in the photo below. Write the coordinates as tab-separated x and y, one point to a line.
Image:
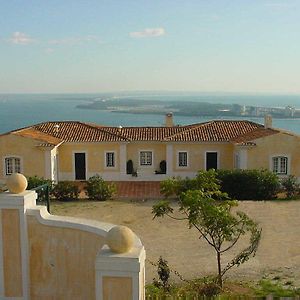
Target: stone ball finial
120	239
16	183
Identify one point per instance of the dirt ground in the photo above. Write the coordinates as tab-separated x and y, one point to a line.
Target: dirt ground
278	254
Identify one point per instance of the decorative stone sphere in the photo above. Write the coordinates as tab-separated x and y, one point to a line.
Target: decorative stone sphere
120	239
16	183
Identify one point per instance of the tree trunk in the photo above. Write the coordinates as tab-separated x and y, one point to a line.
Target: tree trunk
219	269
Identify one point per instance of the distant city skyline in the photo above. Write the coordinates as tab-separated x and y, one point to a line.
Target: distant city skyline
109	46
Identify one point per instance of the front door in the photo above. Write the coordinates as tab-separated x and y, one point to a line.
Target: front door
80	168
211	160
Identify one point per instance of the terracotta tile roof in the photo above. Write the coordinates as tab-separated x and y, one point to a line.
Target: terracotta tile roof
38	135
214	131
71	131
246	138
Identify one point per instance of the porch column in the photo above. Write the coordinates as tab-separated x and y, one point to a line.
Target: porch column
244	159
170	160
14	266
123	159
48	164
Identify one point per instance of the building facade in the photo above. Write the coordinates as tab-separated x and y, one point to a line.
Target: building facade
76	151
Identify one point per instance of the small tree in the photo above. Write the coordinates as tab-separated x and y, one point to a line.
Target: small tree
214	220
163	272
98	189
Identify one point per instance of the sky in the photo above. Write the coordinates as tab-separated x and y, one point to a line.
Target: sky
61	46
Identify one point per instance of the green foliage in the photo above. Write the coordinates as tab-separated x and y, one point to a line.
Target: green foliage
163	272
206	181
249	184
35	181
267	287
65	191
98	189
213	219
290	186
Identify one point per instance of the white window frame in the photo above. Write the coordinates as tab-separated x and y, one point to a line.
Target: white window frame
280	157
106	161
145	165
178	159
14	169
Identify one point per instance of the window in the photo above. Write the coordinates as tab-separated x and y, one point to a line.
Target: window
182	159
110	159
146	158
12	165
280	164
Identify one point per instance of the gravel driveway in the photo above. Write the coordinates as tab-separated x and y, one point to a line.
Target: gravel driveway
278	253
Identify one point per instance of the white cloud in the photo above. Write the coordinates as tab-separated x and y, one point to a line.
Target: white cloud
71	41
148	32
278	5
20	38
49	50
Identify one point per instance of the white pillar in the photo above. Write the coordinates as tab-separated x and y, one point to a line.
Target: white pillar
48	164
115	271
14	271
243	159
170	160
123	158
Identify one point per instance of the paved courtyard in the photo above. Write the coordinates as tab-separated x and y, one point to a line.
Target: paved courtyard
278	253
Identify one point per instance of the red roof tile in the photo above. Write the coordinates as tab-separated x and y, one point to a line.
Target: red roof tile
214	131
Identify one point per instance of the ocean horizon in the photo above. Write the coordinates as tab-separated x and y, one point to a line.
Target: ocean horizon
21	110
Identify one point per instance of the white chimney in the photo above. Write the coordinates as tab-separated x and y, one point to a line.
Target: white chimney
56	128
169	120
268	121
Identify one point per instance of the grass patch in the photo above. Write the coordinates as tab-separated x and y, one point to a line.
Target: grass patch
267	287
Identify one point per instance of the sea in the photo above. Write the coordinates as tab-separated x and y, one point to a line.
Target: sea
21	110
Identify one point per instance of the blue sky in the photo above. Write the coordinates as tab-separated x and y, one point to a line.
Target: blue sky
99	46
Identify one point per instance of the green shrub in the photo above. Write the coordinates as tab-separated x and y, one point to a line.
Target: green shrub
290	186
249	184
98	189
65	191
205	181
35	181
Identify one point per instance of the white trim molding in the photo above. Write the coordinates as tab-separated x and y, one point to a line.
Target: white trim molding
11	156
187	159
115	166
288	156
152	158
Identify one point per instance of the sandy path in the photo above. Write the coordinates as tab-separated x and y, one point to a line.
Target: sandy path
278	253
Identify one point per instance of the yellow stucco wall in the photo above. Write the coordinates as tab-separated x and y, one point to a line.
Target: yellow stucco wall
95	156
62	262
275	145
32	157
11	248
158	150
117	288
197	153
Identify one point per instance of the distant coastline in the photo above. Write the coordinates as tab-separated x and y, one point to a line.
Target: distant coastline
188	108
